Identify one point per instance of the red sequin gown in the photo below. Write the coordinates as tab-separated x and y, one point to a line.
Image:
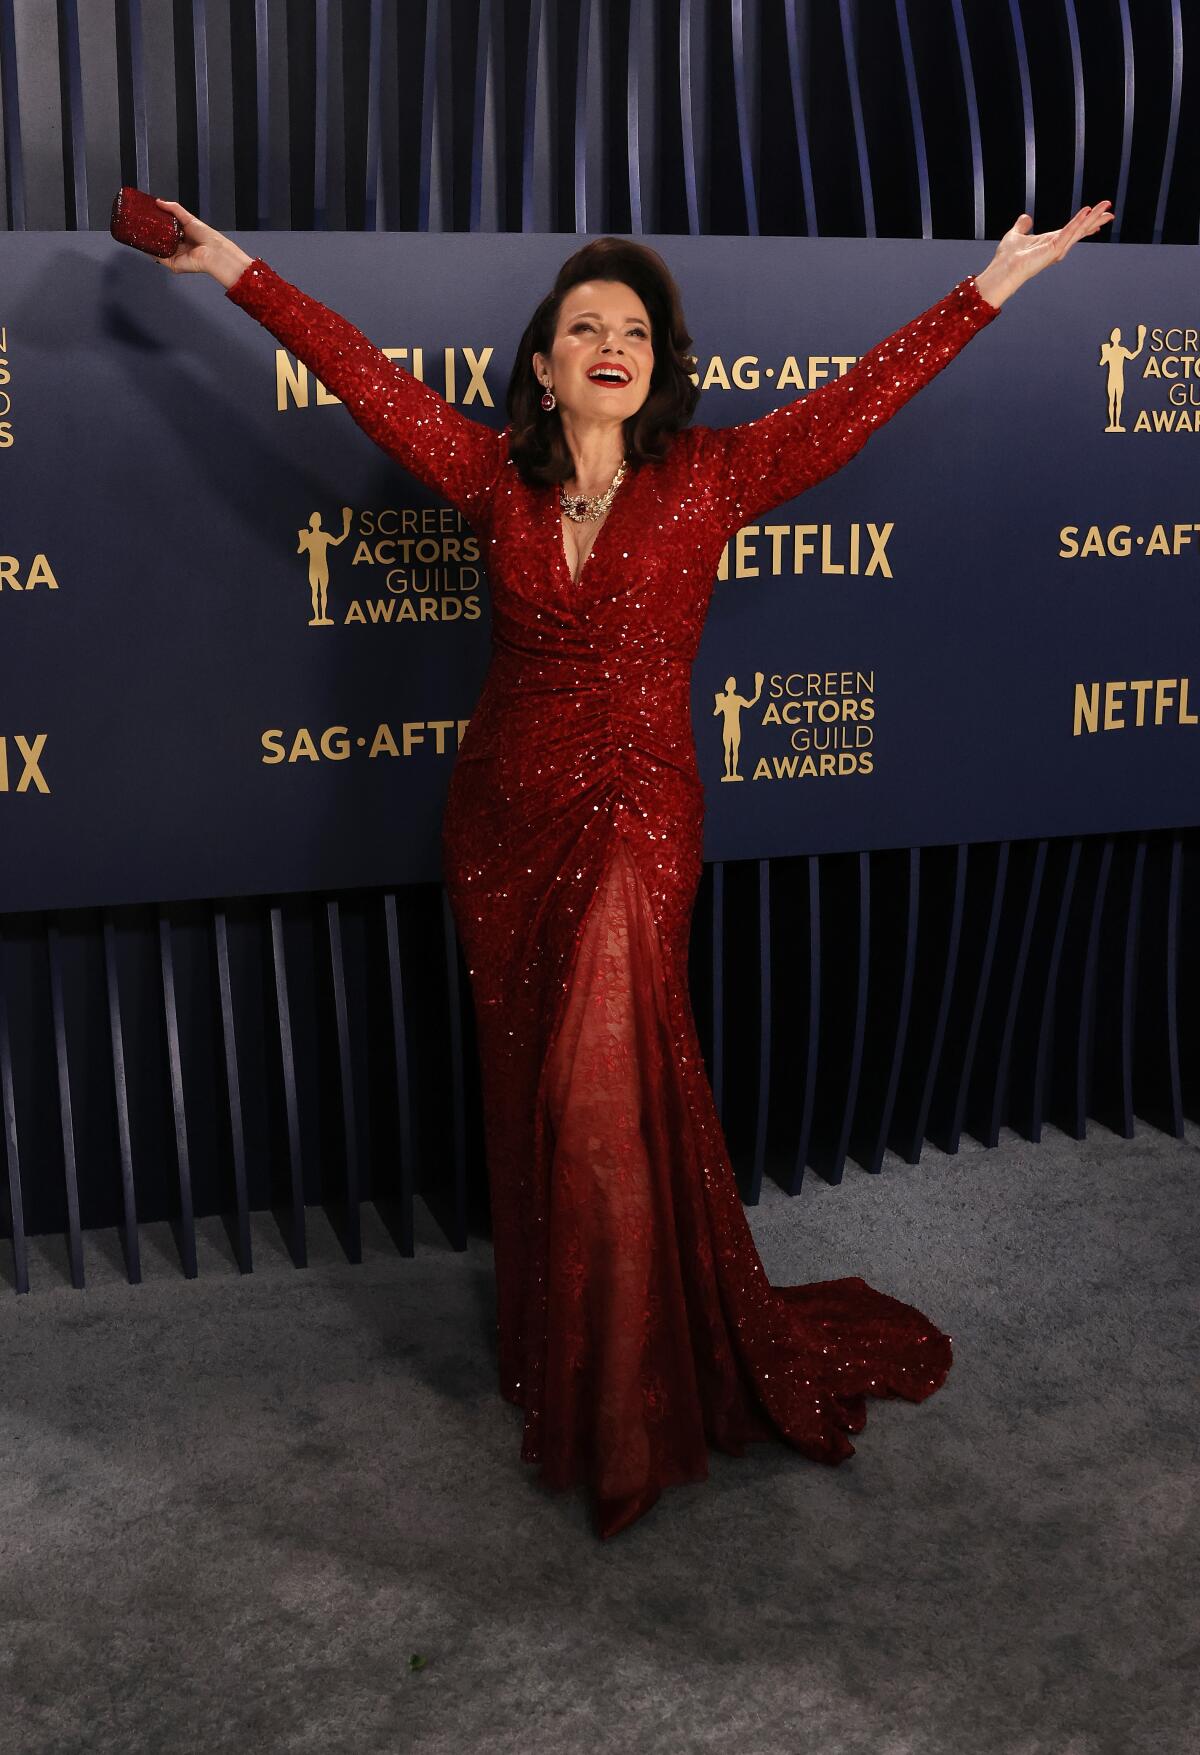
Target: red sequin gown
636	1323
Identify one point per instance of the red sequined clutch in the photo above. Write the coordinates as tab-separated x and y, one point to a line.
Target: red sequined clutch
138	220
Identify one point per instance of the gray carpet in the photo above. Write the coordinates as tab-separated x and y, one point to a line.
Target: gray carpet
231	1509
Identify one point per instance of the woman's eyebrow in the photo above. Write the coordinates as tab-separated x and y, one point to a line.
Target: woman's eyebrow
597	314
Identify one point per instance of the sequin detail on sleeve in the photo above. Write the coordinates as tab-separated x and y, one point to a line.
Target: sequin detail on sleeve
456	456
764	462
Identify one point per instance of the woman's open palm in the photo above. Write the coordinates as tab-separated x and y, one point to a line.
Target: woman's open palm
1024	252
200	246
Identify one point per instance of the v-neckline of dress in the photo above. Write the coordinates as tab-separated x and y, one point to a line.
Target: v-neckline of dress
560	533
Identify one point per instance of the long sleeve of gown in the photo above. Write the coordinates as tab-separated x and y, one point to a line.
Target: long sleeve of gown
458	457
762	463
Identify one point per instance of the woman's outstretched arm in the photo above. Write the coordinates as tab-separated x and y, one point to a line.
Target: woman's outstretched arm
458	457
762	463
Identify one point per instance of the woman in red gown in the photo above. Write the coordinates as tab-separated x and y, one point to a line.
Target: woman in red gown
636	1323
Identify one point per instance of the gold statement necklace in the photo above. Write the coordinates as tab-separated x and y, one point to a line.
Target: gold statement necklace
583	511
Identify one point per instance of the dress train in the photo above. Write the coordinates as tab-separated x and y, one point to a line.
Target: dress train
664	1335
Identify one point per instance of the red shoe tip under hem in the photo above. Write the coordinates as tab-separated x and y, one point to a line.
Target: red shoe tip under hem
615	1515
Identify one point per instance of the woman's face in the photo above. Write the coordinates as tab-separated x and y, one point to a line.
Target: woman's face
601	323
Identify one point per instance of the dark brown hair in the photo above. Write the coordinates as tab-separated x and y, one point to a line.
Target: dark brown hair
537	442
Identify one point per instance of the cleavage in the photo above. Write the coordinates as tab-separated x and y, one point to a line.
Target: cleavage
579	540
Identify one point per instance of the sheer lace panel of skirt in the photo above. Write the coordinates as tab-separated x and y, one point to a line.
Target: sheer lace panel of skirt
606	1209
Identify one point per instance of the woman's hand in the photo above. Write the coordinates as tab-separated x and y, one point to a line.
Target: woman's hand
202	250
1022	253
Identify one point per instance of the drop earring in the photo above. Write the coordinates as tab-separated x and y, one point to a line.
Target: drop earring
548	398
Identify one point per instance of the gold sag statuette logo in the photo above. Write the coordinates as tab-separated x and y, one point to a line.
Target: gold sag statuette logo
429	558
318	543
1114	354
1171	367
729	706
823	718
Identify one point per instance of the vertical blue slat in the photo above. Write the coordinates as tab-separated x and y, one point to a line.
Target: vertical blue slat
1127	94
599	115
187	1221
404	1240
457	1235
116	1034
633	118
982	984
914	112
972	103
529	113
203	121
854	1071
373	188
866	192
583	220
741	107
262	113
1080	97
65	1117
445	94
900	1039
1027	126
74	138
482	73
295	1232
718	987
321	115
762	1104
233	1092
14	162
796	67
1087	998
12	1155
912	1151
1160	206
1172	952
687	118
1046	1022
595	143
813	1043
1129	987
351	1236
131	13
1016	982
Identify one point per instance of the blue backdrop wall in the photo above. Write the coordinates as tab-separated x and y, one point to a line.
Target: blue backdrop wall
243	646
991	929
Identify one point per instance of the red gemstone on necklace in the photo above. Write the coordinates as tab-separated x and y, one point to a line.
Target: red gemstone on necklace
580	507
